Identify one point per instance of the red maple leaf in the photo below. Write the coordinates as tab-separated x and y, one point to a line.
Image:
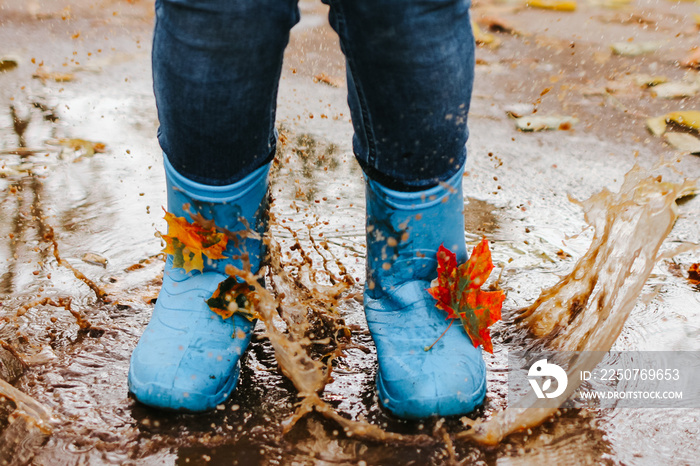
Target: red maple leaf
458	292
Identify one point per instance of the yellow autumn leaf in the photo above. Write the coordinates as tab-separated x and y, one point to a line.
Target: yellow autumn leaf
687	118
615	4
483	38
657	125
187	242
557	5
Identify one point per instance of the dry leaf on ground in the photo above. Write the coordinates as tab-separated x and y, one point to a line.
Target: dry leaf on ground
540	123
20	169
675	90
647	80
633	49
657	125
8	63
684	142
45	75
557	5
519	110
612	4
618	87
484	38
687	118
83	147
694	274
496	24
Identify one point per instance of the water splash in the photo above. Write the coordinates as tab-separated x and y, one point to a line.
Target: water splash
29	425
586	310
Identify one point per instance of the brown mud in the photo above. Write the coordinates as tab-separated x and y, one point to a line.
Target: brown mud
65	344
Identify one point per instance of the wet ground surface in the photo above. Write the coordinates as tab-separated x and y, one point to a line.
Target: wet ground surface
517	187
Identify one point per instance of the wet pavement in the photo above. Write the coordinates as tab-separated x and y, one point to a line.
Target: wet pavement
68	349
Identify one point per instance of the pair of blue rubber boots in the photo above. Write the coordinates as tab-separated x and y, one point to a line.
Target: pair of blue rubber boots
188	358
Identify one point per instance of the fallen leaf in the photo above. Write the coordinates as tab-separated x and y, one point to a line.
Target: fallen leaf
688	118
647	80
540	123
675	90
21	151
657	126
696	17
557	5
684	142
84	147
612	4
496	24
629	17
563	254
484	38
633	49
186	242
94	259
519	110
692	60
457	290
621	87
594	92
329	80
8	63
232	297
694	274
45	75
7	171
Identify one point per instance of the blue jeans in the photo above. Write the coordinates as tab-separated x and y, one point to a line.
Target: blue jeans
410	69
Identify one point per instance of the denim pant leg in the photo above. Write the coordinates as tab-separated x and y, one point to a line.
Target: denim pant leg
216	68
410	67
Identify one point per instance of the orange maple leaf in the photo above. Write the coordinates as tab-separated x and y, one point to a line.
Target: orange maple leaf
457	290
186	242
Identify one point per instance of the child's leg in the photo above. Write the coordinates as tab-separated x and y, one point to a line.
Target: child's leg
216	65
410	75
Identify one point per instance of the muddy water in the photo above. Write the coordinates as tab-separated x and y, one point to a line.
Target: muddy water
109	205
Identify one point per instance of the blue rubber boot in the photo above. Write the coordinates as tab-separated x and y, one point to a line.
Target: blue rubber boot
404	232
188	358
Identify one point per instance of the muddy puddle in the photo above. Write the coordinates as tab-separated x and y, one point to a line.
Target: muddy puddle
66	335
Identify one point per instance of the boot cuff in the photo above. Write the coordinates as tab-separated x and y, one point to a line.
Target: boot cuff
415	200
209	193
